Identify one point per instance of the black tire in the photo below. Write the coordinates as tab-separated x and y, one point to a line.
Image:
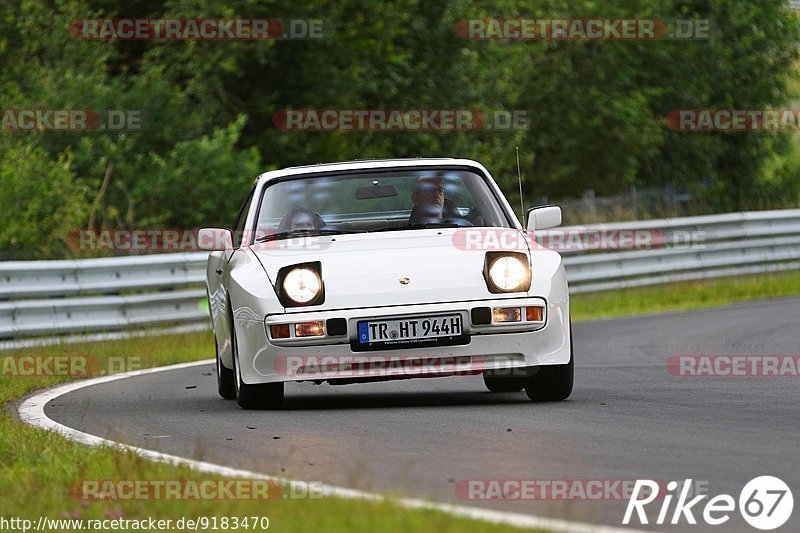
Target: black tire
552	383
253	397
226	385
503	384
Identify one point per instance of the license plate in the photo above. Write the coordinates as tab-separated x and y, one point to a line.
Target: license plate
410	330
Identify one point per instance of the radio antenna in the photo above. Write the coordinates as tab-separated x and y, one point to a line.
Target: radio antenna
521	202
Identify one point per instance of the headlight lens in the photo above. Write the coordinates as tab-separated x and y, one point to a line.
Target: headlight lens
302	284
508	273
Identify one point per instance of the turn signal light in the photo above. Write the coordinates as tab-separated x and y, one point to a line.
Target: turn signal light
534	314
507	314
309	329
280	331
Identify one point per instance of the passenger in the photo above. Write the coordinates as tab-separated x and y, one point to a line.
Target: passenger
301	218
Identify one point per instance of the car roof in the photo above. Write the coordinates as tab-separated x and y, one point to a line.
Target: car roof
367	164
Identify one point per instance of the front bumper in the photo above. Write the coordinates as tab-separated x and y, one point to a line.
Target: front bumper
265	360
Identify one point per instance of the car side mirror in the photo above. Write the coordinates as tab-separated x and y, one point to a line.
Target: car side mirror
548	216
215	239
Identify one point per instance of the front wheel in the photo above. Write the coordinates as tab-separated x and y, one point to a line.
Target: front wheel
553	383
260	396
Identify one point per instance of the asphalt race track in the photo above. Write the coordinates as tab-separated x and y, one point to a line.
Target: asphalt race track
628	418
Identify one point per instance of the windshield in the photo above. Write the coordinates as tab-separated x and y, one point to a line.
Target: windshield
378	201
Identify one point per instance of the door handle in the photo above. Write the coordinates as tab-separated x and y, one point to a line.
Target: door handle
219	271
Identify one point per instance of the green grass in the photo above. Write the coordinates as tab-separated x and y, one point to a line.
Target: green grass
38	467
683	296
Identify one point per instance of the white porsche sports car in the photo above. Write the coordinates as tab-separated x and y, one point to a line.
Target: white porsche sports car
387	269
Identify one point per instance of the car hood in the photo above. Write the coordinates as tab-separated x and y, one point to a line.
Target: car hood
365	270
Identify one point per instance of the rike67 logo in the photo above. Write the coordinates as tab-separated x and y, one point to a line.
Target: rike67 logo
765	503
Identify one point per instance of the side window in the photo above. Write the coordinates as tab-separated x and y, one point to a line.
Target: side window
241	218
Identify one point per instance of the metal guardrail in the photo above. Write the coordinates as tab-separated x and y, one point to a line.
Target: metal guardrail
75	296
31	279
689	248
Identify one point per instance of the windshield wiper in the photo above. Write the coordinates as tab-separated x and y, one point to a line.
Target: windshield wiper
429	225
304	233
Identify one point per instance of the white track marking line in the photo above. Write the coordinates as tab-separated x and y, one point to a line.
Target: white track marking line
32	412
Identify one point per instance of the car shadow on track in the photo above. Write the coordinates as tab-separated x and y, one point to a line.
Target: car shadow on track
389	400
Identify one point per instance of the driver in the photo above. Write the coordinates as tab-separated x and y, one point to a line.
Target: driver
430	205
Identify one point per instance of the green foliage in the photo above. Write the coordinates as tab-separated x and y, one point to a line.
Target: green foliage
41	201
597	108
202	180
